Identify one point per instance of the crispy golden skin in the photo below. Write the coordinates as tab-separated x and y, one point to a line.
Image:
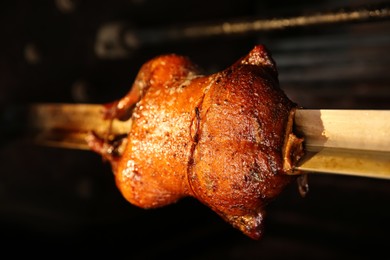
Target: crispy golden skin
219	138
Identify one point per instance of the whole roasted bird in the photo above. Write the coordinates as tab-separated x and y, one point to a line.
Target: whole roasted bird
226	139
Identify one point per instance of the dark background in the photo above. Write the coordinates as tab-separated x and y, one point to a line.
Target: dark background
65	201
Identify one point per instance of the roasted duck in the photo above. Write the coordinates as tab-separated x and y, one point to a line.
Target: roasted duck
225	139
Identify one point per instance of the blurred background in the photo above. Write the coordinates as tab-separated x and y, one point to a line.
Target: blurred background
84	51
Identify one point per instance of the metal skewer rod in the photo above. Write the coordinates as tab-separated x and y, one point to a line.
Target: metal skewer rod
347	142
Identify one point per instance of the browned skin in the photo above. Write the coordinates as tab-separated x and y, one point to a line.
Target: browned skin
218	138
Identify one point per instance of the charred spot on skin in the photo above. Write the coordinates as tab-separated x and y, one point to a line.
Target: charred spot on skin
108	147
255	175
251	225
191	162
115	142
197	115
194	127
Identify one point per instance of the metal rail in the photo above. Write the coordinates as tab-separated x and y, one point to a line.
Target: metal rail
118	39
